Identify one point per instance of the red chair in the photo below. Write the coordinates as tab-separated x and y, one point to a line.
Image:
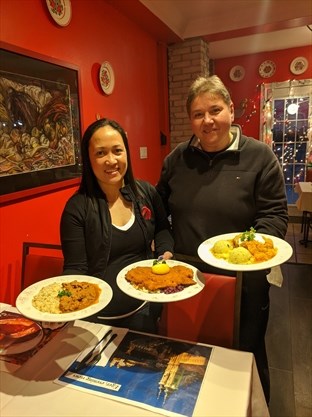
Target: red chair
208	317
40	261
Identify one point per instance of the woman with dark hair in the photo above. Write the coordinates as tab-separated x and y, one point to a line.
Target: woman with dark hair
112	221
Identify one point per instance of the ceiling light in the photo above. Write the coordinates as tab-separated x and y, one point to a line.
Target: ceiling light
292	108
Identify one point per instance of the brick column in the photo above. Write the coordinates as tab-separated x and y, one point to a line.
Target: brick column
186	61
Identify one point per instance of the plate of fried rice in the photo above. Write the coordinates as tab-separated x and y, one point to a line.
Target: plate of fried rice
64	298
230	253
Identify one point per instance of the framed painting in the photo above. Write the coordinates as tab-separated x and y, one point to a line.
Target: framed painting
40	129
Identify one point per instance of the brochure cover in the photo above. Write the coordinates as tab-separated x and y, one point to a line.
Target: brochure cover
147	371
21	338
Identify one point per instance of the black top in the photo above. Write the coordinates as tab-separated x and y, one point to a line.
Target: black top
92	246
128	246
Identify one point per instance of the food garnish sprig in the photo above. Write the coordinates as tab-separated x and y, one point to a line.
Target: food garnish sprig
248	235
63	293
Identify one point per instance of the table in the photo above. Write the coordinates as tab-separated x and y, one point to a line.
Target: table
231	385
304	204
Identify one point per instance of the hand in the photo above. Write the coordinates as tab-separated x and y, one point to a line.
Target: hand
166	255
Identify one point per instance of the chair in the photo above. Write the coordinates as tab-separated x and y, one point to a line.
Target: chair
208	317
40	261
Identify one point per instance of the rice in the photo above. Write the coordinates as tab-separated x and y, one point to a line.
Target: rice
47	299
240	255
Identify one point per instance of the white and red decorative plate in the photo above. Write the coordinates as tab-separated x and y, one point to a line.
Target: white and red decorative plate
60	10
267	69
299	65
107	78
237	73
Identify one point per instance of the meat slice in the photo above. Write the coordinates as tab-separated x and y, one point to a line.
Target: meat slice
143	278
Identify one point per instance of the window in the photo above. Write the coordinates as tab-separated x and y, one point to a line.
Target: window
286	123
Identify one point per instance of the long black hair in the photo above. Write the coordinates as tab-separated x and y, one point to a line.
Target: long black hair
89	184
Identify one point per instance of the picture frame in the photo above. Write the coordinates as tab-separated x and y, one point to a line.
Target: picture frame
40	124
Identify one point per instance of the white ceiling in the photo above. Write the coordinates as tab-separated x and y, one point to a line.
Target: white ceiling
238	27
271	41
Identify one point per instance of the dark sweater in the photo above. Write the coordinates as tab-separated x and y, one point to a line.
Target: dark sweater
231	191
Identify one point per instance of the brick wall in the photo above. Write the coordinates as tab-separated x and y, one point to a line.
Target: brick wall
186	60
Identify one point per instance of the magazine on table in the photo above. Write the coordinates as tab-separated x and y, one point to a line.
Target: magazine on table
148	371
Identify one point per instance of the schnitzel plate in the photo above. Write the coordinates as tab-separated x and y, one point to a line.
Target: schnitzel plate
181	282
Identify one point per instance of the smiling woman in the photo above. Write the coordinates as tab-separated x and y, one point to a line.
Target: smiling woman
108	158
113	221
208	185
211	114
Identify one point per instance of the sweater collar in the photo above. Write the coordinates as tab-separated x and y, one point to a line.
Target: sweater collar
234	146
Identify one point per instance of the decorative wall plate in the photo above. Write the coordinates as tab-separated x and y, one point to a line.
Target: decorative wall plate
267	69
107	78
60	10
299	65
237	73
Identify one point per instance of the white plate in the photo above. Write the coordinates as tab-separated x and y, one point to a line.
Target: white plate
12	346
237	73
267	69
299	65
25	307
188	292
284	252
60	11
107	78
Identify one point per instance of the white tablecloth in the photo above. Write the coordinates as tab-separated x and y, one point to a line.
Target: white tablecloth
231	386
304	202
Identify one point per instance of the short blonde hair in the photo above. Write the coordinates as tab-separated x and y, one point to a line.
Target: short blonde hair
212	84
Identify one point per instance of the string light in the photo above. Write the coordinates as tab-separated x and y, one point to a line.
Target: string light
251	106
287	127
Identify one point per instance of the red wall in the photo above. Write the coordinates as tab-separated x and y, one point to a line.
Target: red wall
96	33
250	86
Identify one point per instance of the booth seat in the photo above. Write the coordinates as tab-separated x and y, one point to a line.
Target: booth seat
207	317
